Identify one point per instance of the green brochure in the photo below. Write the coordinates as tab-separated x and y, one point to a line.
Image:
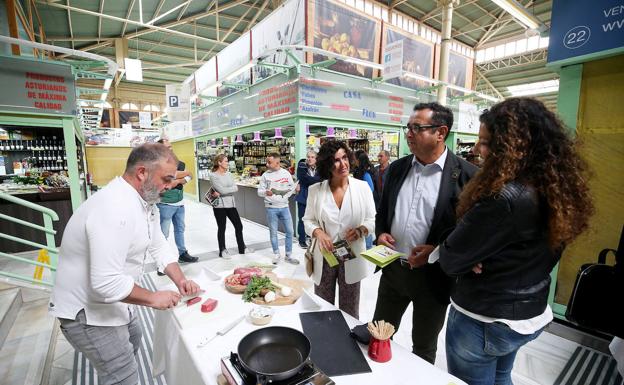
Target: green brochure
381	255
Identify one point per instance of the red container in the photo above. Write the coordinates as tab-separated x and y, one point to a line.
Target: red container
379	351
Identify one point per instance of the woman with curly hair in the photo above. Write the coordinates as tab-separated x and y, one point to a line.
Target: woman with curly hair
516	215
339	208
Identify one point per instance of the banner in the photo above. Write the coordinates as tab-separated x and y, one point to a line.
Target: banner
178	100
38	87
284	26
417	59
347	32
393	60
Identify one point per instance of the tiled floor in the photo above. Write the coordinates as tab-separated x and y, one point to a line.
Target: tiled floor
537	363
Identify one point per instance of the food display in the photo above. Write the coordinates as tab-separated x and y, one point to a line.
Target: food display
263	287
237	282
261	315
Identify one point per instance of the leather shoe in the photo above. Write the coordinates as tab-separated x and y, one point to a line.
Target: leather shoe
186	258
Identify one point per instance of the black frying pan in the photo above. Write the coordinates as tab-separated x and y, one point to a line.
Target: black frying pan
274	353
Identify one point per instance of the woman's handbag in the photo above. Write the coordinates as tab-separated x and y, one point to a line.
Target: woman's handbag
309	258
597	292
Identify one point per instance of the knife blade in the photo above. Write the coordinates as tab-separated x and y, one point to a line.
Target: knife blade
204	341
185	298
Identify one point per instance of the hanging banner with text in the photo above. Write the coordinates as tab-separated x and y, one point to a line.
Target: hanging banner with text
393	60
178	102
588	27
40	87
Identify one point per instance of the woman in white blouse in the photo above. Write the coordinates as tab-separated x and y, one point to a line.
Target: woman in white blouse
339	208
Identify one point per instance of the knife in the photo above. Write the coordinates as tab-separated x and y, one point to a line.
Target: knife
185	298
204	341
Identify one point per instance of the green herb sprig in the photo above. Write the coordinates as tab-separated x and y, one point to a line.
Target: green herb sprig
255	286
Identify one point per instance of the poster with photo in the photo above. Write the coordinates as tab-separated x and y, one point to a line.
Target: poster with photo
129	117
348	32
417	58
457	72
106	118
284	26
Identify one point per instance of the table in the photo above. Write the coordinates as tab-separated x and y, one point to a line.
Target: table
177	332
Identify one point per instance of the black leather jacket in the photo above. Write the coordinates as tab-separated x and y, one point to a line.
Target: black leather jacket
508	235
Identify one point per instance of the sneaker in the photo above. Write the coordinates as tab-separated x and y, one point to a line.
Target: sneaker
225	254
276	258
187	258
159	273
303	245
247	250
292	261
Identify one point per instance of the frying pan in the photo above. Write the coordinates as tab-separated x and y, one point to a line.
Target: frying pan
273	353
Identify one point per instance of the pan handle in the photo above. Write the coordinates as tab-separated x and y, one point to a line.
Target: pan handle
261	379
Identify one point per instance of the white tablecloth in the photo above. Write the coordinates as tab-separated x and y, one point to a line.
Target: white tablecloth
177	332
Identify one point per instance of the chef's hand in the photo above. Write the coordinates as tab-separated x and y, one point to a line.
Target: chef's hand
478	268
269	193
419	255
165	299
323	240
386	240
298	188
188	287
215	194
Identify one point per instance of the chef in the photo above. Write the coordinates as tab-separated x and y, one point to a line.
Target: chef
104	247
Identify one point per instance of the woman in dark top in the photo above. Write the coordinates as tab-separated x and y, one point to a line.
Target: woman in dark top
517	214
364	171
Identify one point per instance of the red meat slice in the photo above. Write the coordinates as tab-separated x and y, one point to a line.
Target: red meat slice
243	270
209	305
193	301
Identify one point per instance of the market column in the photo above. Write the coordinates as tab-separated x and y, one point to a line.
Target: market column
447	20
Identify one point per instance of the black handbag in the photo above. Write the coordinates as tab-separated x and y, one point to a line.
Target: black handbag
597	299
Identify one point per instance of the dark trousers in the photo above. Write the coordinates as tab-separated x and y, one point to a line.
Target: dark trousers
398	287
348	294
301	208
220	215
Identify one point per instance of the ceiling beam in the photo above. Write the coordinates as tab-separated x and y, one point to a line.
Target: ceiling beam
253	20
71	30
488	83
147	28
158	8
493	30
99	20
184	10
234	26
123	31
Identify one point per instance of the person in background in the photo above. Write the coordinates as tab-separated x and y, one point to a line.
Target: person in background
379	175
101	258
363	171
276	186
306	176
225	187
516	216
340	207
171	208
417	208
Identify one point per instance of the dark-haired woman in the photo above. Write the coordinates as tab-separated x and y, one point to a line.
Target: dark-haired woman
224	186
516	216
339	208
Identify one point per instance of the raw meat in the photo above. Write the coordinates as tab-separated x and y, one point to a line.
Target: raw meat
243	270
209	305
193	301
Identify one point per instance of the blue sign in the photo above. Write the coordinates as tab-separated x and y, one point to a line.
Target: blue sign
584	27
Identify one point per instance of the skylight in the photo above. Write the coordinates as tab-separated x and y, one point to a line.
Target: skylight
534	88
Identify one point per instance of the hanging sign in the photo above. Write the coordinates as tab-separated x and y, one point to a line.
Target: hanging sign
37	87
393	60
588	27
145	119
178	102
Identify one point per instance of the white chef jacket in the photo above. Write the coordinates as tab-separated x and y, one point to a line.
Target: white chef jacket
104	247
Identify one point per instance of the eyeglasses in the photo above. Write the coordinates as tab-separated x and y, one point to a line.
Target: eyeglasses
416	128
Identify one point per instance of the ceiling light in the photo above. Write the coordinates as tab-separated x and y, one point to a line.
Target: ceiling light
519	13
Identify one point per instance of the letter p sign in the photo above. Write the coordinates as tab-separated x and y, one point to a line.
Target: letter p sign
173	101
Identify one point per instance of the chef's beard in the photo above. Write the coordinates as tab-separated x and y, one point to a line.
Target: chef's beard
150	192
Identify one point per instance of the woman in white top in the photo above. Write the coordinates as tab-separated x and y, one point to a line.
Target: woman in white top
224	186
339	208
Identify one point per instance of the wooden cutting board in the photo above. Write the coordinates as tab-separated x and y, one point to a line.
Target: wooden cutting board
297	287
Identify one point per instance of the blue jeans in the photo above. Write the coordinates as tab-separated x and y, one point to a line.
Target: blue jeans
301	208
274	217
169	213
482	353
